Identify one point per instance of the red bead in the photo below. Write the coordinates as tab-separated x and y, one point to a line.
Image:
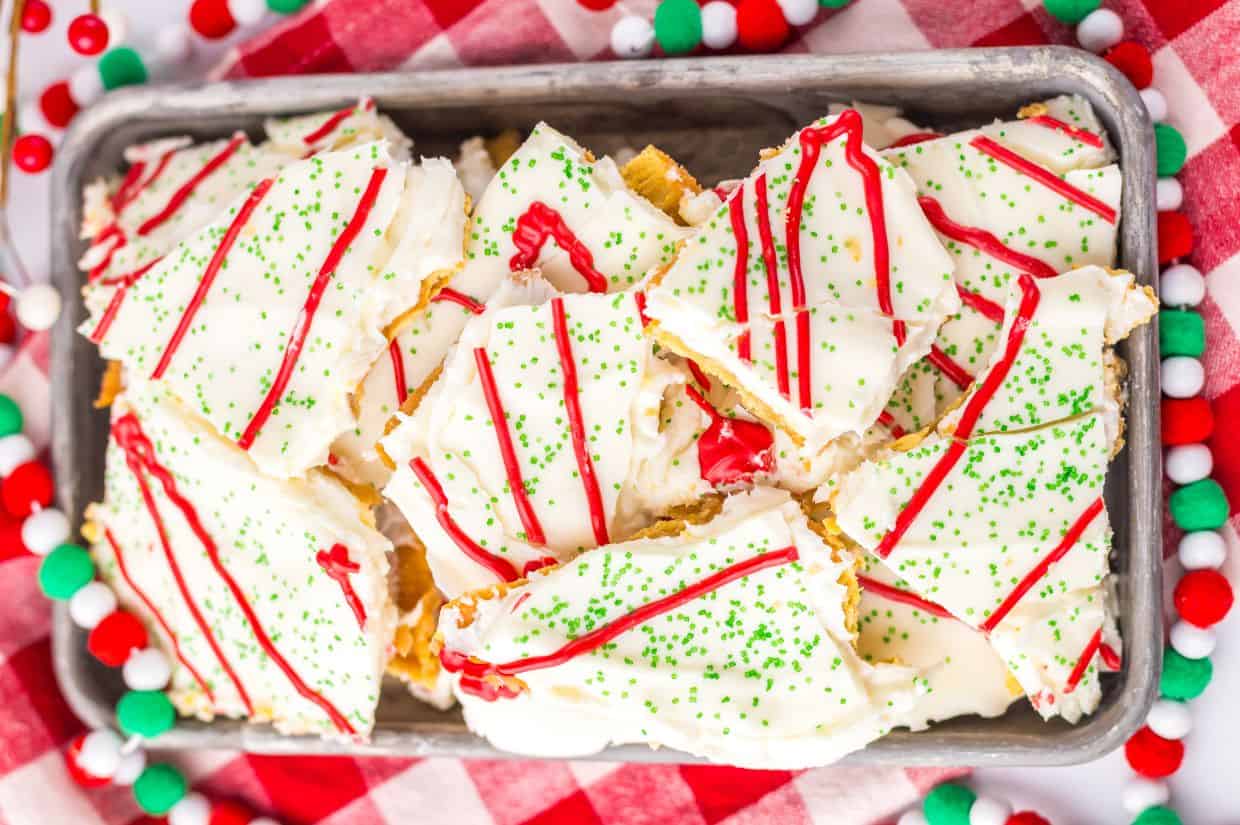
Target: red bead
211	18
36	16
11	544
32	153
760	25
86	780
1134	61
1175	236
58	105
1027	818
88	34
1186	421
115	637
1152	756
27	485
597	5
1203	597
227	812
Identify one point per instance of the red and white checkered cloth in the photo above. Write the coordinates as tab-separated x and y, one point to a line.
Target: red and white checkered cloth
1195	67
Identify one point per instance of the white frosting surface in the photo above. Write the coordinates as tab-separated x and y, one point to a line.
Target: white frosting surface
305	135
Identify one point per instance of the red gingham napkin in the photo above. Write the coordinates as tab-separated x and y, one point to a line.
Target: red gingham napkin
1194	46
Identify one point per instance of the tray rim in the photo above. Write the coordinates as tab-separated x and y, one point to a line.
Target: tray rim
1117	102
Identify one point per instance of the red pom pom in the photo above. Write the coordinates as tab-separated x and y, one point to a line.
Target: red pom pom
36	16
11	544
32	153
760	25
1186	421
1027	818
1151	755
1133	60
8	328
1203	597
86	780
58	105
592	5
115	637
1175	236
228	812
88	34
28	484
211	19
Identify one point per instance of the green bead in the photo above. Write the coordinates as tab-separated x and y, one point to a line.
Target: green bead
10	416
286	6
158	788
948	804
1171	150
121	66
1181	332
1071	11
1201	505
678	26
833	4
1158	815
1183	678
64	571
145	712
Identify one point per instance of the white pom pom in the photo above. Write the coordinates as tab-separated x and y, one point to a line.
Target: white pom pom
1100	30
913	816
1202	550
38	306
147	669
988	811
192	809
1181	285
632	36
799	12
1155	104
131	767
101	753
1170	719
173	44
117	23
1182	377
1189	463
14	449
90	604
44	531
1192	642
1140	793
85	85
247	12
718	24
1169	194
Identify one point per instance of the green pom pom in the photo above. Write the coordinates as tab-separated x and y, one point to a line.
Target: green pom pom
1181	332
1171	150
1158	815
286	6
948	804
1071	11
678	26
1201	505
145	712
121	66
158	788
1183	678
10	416
833	4
64	571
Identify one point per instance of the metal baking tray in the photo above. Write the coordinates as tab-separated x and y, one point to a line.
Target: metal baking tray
714	115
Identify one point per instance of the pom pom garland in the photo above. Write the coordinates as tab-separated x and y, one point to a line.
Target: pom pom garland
45	530
286	6
1182	377
799	12
632	37
1150	755
147	669
1203	597
913	816
91	604
1158	815
1186	421
26	489
1100	30
678	26
1188	463
15	450
1202	550
116	637
88	34
38	307
86	780
1027	818
760	24
1071	11
36	16
1155	104
989	811
1181	332
192	809
10	418
1169	719
948	804
65	571
1169	194
158	788
1201	505
247	12
1175	236
145	713
121	66
211	19
1134	61
718	24
596	5
32	153
1171	148
85	85
173	44
100	753
227	812
1140	793
131	767
57	104
1184	678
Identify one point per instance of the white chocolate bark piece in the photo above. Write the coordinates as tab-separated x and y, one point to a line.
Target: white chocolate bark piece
269	597
1062	133
305	135
859	290
474	167
728	641
882	125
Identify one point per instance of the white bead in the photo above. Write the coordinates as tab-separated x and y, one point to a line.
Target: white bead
147	669
1140	793
1188	463
85	85
14	450
247	12
1181	285
632	36
1170	719
799	12
1155	104
718	24
192	809
1100	30
1190	641
173	44
131	767
38	306
1182	377
117	23
1169	194
1202	550
988	811
44	531
101	753
90	604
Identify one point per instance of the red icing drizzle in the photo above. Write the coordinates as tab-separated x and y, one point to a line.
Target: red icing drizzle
957	374
572	405
452	296
731	450
1109	657
981	304
540	222
328	126
1083	135
501	567
474	672
740	290
983	240
1048	179
180	196
698	376
113	230
163	623
338	566
122	196
896	594
914	138
1082	664
131	188
888	420
398	371
208	275
774	300
140	455
122	284
301	328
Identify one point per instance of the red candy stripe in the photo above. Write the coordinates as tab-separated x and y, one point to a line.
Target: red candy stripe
1203	597
115	637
